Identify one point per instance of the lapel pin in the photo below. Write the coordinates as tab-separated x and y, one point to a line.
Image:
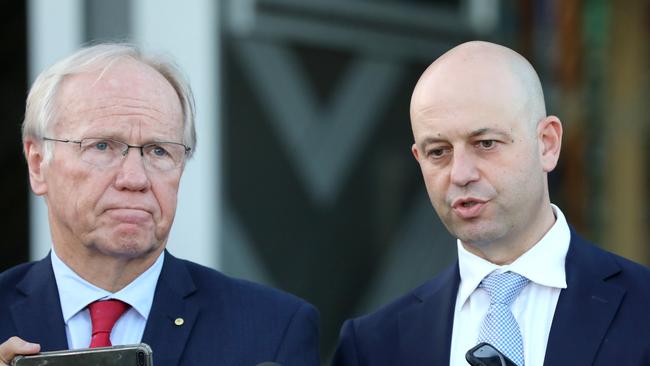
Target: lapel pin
179	321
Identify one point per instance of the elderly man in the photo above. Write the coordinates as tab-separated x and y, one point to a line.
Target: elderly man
107	134
524	282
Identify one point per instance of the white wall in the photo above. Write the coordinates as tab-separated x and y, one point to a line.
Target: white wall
188	31
54	31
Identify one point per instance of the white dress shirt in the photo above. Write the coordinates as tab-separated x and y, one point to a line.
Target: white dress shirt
543	265
76	293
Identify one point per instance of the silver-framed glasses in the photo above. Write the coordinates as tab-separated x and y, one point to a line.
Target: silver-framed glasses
108	153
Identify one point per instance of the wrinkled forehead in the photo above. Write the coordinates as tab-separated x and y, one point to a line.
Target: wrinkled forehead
447	123
121	78
122	87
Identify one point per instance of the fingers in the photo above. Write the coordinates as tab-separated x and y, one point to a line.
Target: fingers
15	346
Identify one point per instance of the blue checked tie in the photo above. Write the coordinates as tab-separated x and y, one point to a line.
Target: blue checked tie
499	327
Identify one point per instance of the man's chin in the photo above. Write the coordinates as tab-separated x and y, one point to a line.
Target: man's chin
129	247
476	235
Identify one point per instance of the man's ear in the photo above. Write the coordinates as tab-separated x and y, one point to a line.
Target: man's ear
549	132
416	153
35	165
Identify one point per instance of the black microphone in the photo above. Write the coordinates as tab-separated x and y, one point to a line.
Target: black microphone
268	364
485	354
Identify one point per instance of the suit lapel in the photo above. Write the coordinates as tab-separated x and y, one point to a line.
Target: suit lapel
585	308
425	328
38	315
172	315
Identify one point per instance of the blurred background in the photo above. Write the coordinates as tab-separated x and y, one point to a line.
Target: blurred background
303	178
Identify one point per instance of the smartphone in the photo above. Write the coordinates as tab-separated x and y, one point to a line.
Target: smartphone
485	354
126	355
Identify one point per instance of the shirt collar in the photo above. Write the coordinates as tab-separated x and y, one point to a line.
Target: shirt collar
542	264
76	293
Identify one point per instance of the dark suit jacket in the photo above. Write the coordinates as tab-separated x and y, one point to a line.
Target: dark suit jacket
226	321
601	318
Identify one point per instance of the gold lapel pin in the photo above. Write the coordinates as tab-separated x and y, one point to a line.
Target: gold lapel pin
179	321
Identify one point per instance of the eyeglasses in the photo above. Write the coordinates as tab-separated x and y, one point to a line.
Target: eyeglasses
108	153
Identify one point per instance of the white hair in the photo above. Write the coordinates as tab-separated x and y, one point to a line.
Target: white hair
41	101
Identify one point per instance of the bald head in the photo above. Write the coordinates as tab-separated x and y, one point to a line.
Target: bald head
480	72
485	147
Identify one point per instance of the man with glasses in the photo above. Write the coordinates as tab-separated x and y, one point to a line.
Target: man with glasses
107	134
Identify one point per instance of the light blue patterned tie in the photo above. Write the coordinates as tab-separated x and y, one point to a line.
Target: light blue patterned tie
499	327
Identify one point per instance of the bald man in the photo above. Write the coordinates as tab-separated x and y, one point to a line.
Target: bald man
485	146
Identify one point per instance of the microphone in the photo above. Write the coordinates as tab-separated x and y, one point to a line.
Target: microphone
485	354
268	364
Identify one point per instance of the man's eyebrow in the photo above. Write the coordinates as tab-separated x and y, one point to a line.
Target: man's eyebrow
119	137
431	140
487	130
476	133
98	134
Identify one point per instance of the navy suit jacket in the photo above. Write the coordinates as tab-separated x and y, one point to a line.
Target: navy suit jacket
226	321
602	318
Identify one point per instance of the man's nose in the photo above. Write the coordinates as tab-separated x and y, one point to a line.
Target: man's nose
133	174
463	168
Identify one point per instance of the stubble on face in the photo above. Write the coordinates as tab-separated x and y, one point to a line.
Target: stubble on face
475	88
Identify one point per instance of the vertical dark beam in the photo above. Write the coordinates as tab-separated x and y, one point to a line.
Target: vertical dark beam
569	40
595	29
525	35
14	225
626	119
570	63
107	20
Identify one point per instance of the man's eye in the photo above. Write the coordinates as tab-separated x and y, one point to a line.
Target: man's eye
487	144
436	153
159	151
101	145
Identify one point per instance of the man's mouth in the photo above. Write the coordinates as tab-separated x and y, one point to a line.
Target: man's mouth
468	208
129	215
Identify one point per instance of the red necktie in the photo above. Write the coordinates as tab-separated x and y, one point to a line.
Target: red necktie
103	315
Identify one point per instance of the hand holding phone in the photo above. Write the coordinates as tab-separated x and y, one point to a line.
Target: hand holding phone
16	346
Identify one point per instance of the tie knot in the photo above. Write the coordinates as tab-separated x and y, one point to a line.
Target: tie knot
504	288
103	315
